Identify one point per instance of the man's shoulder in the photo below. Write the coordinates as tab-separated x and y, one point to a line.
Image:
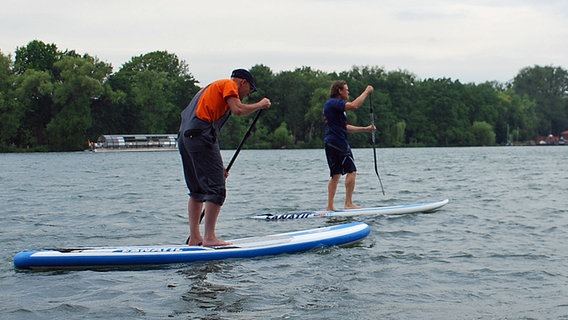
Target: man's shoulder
221	89
334	100
335	103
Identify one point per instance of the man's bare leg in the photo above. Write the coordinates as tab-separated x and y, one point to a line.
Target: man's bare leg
211	213
194	208
331	190
349	188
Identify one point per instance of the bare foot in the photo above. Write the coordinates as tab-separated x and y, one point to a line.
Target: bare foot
195	241
352	206
216	243
330	209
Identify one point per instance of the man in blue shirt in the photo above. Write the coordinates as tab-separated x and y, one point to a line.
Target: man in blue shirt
337	149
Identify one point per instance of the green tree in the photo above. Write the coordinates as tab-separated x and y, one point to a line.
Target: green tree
313	118
282	138
157	87
483	133
521	115
234	131
57	100
397	134
10	115
260	137
107	118
548	87
35	55
81	82
32	107
293	92
396	95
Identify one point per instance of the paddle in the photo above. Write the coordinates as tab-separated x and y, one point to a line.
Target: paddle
247	134
373	139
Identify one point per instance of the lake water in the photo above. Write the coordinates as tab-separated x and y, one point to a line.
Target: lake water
498	250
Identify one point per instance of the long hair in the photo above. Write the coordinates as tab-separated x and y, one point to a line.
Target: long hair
335	87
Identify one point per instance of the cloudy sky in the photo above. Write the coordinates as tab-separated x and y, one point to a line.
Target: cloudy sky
467	40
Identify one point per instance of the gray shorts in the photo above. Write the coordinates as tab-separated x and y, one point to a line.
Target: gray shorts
203	168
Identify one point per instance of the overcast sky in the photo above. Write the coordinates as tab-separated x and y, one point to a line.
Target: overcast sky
471	41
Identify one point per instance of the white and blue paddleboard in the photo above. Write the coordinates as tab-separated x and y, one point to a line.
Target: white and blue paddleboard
391	210
138	256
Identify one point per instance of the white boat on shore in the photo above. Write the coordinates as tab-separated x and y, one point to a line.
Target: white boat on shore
134	142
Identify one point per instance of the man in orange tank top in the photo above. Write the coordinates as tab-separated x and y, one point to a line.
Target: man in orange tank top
203	168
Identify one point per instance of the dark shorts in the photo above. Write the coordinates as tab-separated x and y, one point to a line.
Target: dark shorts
339	162
203	169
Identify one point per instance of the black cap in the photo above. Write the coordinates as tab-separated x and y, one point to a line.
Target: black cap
245	74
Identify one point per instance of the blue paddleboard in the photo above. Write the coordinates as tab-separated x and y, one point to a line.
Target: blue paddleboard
137	256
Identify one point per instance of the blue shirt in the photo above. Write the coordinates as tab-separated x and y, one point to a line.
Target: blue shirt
335	124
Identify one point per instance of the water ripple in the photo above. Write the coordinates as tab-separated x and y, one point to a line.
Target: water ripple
496	251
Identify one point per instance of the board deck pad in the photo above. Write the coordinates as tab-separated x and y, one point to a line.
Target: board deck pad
140	256
425	207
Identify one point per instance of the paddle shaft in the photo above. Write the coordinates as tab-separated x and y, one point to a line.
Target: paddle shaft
247	134
373	139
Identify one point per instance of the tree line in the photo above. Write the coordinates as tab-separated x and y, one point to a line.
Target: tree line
54	100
